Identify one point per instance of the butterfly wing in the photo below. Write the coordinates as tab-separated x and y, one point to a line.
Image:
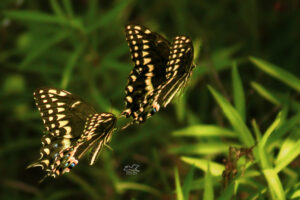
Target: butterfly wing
97	132
149	52
67	119
178	71
63	113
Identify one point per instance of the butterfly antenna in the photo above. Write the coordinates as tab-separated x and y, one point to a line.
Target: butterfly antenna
111	103
42	180
120	115
126	126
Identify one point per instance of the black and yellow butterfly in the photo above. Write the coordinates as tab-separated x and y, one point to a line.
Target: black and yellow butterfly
161	70
72	127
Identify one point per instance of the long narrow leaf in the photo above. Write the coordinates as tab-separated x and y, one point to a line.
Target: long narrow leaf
121	186
31	56
188	183
215	168
234	118
57	9
277	72
238	92
263	156
204	131
292	154
179	193
68	6
265	93
109	16
270	130
284	128
274	184
228	193
211	148
208	189
256	130
85	186
70	66
33	16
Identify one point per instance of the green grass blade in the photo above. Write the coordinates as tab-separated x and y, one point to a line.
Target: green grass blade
69	9
270	130
31	56
162	175
33	16
70	66
238	92
198	46
122	186
208	148
265	93
277	72
188	183
85	186
234	118
180	106
204	131
256	130
18	145
291	154
179	193
228	193
215	168
109	16
91	10
208	187
263	155
274	184
57	9
284	128
294	192
62	194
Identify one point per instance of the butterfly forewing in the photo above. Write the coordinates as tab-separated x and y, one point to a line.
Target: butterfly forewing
98	132
149	52
63	114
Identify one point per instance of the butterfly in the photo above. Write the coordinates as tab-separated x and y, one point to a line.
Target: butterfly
161	70
72	127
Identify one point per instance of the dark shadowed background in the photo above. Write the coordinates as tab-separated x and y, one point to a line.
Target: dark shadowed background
80	46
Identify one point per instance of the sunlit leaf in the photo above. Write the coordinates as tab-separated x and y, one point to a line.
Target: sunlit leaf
234	118
238	92
277	72
215	168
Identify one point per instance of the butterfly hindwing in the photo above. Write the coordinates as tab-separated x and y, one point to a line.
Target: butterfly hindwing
179	69
98	132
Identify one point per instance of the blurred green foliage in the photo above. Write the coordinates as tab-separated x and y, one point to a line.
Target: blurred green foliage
80	46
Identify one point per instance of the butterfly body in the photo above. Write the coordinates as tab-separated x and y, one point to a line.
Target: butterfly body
161	70
72	127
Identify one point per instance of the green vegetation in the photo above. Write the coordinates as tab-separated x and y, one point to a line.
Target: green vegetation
244	92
